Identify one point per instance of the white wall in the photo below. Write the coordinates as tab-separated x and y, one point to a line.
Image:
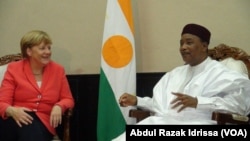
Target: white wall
76	28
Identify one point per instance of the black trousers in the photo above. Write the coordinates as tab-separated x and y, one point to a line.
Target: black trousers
10	131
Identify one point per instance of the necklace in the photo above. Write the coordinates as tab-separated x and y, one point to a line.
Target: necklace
37	72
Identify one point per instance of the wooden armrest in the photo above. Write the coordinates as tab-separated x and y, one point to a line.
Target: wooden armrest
138	114
223	117
66	129
68	113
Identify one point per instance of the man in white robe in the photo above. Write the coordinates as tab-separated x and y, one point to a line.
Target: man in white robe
190	93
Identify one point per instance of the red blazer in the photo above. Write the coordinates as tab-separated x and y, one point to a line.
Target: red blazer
19	88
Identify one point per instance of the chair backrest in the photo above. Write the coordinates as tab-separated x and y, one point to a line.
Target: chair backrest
222	52
10	58
4	62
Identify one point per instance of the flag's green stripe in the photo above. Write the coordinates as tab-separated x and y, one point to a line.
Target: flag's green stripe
110	121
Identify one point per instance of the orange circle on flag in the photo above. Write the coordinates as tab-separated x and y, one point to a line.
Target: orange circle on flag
117	51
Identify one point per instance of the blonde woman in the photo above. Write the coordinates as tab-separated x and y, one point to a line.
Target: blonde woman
34	92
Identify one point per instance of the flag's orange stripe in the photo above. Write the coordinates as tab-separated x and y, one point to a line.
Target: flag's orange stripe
127	11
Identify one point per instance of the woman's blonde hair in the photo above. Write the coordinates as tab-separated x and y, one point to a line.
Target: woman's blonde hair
33	38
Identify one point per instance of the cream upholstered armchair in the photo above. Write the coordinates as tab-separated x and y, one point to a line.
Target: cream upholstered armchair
4	60
221	53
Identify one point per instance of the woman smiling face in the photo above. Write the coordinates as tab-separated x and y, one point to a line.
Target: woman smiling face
192	49
40	54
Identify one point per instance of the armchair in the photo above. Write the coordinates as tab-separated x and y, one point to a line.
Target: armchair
218	53
68	113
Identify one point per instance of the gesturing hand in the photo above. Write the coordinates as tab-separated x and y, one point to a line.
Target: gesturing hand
184	101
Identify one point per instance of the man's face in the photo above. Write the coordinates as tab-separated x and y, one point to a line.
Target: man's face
192	49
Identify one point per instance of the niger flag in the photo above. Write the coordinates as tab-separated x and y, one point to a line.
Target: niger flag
118	70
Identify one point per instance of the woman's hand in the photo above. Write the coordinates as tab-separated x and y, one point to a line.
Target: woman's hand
56	116
19	115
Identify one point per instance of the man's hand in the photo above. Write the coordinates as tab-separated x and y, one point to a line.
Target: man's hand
127	100
184	101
